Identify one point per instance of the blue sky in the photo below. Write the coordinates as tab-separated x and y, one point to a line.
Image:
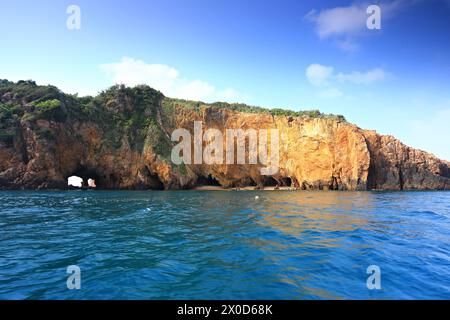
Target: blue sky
290	54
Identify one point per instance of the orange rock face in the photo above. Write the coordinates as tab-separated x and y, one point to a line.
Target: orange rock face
321	153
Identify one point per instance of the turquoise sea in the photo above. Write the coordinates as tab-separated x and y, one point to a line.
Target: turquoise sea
224	244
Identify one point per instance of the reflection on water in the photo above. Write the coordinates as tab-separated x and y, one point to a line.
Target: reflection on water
224	245
295	212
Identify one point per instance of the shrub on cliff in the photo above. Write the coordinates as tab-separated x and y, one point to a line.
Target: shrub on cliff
48	105
169	103
6	136
125	100
28	91
9	115
156	139
48	110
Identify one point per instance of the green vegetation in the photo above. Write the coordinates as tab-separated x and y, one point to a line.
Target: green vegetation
168	113
48	105
49	110
140	114
158	141
28	91
134	113
182	169
189	104
9	111
6	136
240	107
8	118
45	134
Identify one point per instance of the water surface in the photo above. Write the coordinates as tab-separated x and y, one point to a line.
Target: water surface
224	244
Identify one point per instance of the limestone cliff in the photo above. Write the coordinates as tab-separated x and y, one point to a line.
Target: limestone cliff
121	138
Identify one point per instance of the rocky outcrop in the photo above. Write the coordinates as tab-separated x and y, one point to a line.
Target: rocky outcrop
122	140
396	166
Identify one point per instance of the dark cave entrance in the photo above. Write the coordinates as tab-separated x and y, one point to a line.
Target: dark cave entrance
286	182
155	183
244	182
207	181
270	182
152	181
371	178
86	173
249	183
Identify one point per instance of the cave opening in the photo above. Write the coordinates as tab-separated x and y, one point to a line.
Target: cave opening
270	182
371	177
286	182
75	182
244	182
401	181
155	182
207	181
150	180
250	182
84	177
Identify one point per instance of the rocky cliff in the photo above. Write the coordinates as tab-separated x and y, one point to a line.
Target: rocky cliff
122	139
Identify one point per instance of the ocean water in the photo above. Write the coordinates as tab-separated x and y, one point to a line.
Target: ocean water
224	244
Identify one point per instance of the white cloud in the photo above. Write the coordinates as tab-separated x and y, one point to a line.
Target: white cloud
345	24
328	81
318	74
192	90
338	21
133	72
367	77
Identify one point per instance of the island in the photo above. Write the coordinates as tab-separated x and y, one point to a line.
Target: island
121	139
